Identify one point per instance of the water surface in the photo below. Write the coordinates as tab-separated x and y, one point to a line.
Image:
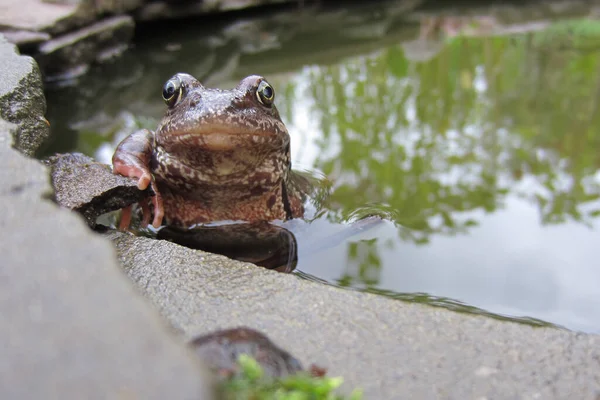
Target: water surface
475	137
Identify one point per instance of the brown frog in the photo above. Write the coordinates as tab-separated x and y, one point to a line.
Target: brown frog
216	155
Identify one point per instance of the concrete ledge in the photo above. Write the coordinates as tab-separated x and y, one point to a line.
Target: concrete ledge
73	326
389	348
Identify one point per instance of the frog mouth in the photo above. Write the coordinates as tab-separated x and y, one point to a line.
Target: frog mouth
222	139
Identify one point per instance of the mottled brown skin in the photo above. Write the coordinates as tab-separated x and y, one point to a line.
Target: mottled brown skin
216	155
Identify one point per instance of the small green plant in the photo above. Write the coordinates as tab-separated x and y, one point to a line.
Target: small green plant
251	384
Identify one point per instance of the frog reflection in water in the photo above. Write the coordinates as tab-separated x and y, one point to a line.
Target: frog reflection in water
216	155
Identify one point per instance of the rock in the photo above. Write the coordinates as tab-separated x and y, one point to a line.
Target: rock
73	327
24	38
70	55
389	348
59	16
174	9
47	17
102	6
22	100
220	350
89	187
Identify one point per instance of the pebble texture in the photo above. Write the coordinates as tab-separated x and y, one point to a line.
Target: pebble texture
389	348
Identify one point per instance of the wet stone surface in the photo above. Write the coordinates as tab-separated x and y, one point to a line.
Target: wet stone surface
90	188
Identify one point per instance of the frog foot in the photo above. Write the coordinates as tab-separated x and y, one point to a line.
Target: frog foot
145	179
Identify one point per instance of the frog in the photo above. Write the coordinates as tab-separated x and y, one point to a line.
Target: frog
216	155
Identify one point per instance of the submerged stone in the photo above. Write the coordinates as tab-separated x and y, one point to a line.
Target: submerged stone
69	55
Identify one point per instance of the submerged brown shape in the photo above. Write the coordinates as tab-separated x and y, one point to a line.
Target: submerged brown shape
216	155
260	243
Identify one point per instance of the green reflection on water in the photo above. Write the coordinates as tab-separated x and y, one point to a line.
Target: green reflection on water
427	144
484	118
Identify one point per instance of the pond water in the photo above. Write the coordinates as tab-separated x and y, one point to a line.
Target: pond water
475	133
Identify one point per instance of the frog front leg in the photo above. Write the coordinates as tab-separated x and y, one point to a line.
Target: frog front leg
132	159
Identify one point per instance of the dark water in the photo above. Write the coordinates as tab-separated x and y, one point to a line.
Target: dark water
476	136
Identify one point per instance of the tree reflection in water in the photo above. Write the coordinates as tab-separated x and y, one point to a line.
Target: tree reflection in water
429	143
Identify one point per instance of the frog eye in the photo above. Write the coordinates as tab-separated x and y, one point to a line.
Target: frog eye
265	93
172	91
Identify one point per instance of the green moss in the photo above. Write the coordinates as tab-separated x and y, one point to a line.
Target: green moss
252	384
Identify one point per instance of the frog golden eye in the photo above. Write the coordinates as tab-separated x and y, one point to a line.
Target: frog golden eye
265	93
172	91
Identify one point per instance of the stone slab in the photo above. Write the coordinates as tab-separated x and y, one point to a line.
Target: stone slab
73	326
389	348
